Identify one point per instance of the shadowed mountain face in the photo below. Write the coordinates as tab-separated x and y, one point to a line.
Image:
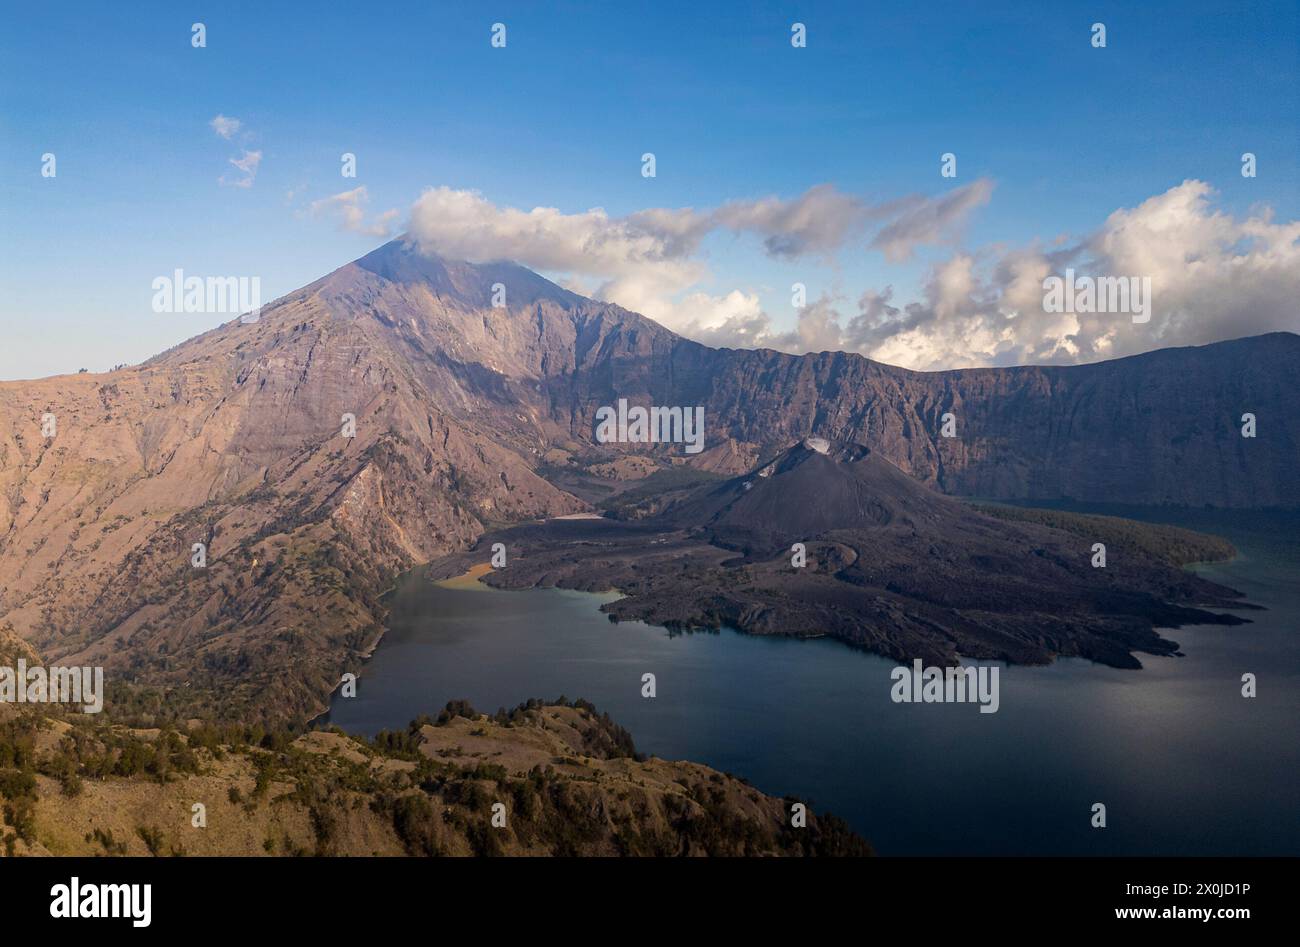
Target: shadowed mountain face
389	414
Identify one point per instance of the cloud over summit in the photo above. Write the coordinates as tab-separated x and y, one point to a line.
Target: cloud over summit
648	259
1214	276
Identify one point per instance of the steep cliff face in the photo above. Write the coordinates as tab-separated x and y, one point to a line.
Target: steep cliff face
389	413
1157	428
1153	429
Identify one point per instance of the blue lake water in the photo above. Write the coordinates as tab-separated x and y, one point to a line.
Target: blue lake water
1183	762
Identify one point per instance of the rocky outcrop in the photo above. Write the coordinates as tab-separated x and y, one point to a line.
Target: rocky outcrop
569	778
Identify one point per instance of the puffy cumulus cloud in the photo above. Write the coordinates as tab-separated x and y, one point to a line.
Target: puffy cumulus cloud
733	320
350	208
653	289
465	225
1213	277
225	126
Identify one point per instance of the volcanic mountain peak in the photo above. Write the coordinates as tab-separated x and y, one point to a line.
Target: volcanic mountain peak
807	490
810	448
880	561
533	371
403	261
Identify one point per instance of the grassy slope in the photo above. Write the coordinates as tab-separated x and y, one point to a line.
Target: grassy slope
570	781
1173	544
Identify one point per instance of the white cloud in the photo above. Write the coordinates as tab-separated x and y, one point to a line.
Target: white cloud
247	163
225	126
465	225
821	220
640	261
1213	277
732	320
350	208
645	261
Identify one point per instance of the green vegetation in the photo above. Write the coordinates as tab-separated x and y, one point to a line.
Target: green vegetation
328	796
1172	544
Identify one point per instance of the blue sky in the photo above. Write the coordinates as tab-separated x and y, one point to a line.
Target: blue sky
1066	133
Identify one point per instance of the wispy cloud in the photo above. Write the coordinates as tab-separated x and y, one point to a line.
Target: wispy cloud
922	221
349	207
225	126
247	163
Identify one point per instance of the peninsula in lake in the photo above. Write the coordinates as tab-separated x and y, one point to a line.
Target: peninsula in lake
833	539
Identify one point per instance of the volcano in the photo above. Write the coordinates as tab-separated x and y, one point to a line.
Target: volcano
810	489
832	539
404	407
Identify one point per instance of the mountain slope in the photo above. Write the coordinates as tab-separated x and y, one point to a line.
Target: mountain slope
807	490
236	440
570	779
535	372
469	417
1157	428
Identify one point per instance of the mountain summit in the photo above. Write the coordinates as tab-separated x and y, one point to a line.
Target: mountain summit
809	489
